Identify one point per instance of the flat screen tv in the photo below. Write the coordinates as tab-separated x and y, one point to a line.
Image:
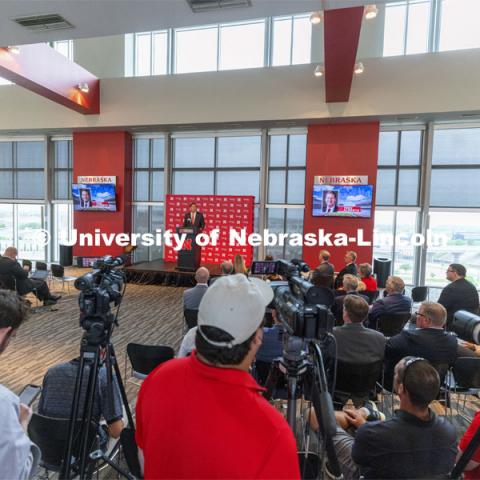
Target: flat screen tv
342	201
94	197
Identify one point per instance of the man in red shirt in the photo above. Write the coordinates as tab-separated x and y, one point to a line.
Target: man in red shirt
203	416
472	470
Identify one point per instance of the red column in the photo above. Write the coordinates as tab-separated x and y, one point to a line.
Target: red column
104	153
343	149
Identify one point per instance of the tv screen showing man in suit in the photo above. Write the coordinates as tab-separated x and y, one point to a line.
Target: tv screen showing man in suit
94	197
342	201
193	218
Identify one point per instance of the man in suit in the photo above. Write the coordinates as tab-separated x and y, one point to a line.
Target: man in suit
350	267
350	285
85	198
394	302
324	258
460	294
16	277
330	202
355	343
194	218
429	341
193	296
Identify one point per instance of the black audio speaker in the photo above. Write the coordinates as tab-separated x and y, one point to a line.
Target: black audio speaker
66	255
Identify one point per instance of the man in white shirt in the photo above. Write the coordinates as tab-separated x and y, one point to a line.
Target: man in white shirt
19	457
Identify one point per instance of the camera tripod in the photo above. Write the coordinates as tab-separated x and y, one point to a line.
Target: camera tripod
82	429
301	372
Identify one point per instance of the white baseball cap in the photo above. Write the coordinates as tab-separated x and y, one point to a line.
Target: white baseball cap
235	304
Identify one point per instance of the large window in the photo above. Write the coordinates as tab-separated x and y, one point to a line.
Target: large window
22	170
291	40
223	165
399	160
393	239
407	27
151	53
459	24
62	169
462	245
455	168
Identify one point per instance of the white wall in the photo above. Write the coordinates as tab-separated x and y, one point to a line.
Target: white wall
411	85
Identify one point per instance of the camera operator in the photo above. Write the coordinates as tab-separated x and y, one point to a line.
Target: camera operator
19	457
203	416
58	391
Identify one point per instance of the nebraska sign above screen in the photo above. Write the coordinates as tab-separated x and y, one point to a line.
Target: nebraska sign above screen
341	180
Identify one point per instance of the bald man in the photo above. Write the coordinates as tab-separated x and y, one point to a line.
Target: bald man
14	277
193	296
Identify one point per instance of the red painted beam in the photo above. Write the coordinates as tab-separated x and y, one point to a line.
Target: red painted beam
43	70
341	36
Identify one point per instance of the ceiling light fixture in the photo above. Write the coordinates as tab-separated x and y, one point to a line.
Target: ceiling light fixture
359	68
371	11
83	87
319	71
316	18
15	49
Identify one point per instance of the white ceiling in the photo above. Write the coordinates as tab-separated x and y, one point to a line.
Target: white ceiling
95	18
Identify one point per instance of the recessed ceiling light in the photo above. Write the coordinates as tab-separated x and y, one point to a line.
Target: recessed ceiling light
316	18
83	87
371	11
319	71
359	68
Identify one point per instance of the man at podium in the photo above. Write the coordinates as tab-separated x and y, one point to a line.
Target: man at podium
194	218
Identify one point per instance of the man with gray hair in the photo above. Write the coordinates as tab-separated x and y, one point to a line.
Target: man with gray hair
429	340
193	296
394	302
350	285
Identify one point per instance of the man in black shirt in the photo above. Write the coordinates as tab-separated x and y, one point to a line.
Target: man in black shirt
14	277
415	443
460	294
350	268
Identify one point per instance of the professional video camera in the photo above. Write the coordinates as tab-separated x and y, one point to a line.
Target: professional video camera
467	326
308	324
98	289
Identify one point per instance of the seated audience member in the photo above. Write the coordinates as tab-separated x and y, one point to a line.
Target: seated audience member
429	341
394	302
19	457
350	285
415	443
188	343
185	435
58	389
460	294
226	268
239	265
15	277
472	470
272	342
193	296
321	276
324	258
367	278
349	268
356	343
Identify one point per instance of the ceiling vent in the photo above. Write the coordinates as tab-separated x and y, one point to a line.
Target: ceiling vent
42	23
198	6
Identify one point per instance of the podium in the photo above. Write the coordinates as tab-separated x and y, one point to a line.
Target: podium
189	257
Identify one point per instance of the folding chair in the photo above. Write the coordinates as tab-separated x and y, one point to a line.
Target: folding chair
145	358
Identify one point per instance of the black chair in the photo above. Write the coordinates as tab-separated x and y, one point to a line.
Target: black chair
391	324
419	294
51	434
466	374
319	295
356	381
58	274
372	296
40	266
145	358
27	263
191	317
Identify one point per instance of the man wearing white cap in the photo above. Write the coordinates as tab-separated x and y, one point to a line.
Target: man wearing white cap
203	416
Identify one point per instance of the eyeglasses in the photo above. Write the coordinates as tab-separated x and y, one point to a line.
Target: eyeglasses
408	362
418	314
